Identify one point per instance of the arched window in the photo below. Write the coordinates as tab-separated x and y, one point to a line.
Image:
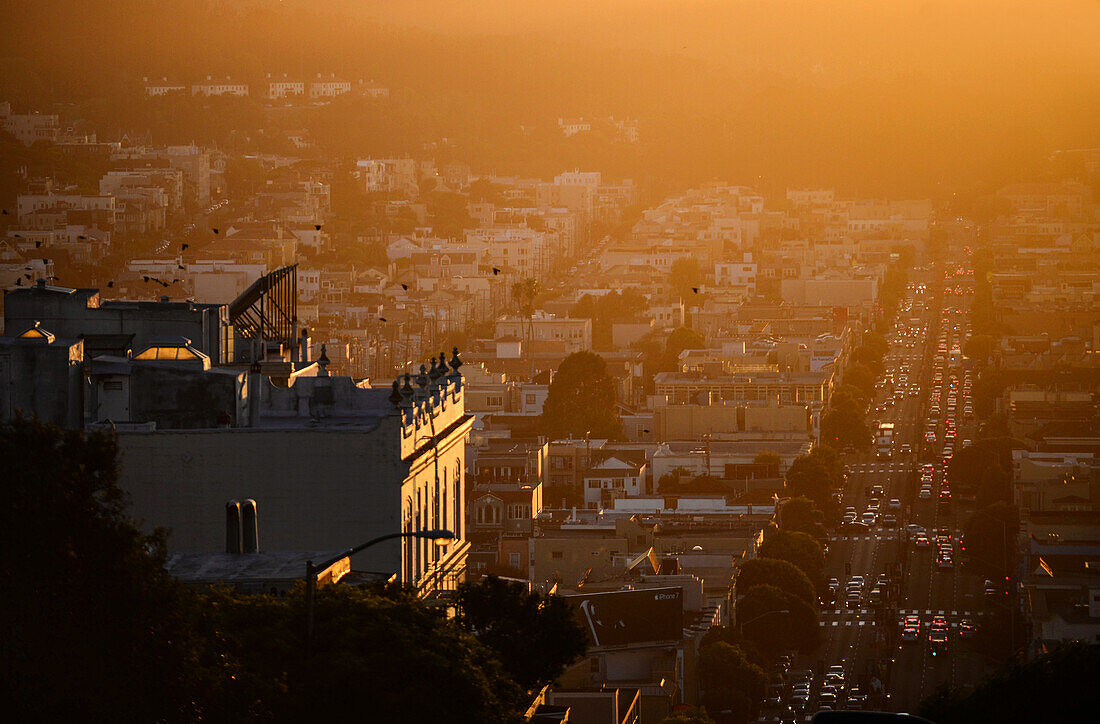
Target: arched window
410	545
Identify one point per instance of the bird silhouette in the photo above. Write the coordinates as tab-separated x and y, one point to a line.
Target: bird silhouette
695	289
405	287
381	319
496	271
28	276
5	212
183	247
317	227
215	231
180	266
110	284
19	282
145	279
45	261
81	237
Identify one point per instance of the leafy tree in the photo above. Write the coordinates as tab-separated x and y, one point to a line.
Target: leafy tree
670	481
848	397
581	399
774	572
605	310
730	682
797	548
449	215
759	616
514	622
1059	686
845	428
684	276
89	620
810	476
767	457
801	515
860	377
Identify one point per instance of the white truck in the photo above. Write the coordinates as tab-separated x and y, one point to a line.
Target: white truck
884	440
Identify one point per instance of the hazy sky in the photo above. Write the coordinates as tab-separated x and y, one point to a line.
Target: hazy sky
821	36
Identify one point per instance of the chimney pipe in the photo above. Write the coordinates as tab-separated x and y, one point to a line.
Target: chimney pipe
233	527
250	527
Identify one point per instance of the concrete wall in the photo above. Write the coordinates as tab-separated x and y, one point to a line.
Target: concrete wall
42	380
317	489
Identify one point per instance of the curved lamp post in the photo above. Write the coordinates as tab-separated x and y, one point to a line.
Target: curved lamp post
313	570
741	626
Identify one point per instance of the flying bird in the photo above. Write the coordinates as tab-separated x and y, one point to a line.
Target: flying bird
145	279
17	236
695	289
5	212
317	227
496	271
28	276
183	247
19	282
381	319
405	287
45	261
215	231
180	266
81	236
110	284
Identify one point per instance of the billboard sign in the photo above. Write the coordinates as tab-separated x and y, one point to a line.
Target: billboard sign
620	618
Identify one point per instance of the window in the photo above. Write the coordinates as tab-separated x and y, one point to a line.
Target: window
557	555
513	560
531	398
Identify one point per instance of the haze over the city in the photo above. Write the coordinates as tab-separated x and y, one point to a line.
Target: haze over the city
575	362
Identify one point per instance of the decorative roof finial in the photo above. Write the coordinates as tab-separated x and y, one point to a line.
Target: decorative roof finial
455	361
407	389
324	362
422	378
396	398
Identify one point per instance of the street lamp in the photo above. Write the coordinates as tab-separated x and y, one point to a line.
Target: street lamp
313	570
741	626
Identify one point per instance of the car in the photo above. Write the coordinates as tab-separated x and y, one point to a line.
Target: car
826	699
873	505
837	668
834	584
944	562
853	599
868	519
937	642
914	529
889	521
939	621
921	541
906	448
925	494
856	526
909	634
894	504
967	629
